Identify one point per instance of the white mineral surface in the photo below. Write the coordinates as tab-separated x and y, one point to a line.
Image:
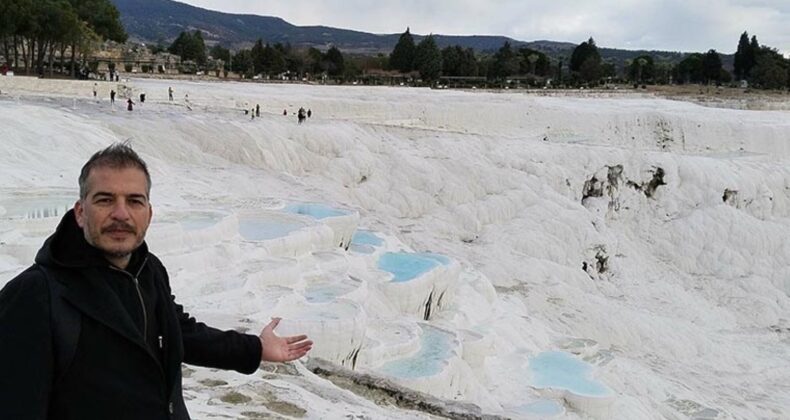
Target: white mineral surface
641	240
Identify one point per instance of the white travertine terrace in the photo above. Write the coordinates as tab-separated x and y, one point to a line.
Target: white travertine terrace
561	233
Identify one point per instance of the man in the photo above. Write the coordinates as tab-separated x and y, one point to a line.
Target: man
91	330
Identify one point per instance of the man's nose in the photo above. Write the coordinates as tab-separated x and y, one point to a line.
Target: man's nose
120	211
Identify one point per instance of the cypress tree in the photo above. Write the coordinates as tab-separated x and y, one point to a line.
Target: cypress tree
428	59
740	64
402	57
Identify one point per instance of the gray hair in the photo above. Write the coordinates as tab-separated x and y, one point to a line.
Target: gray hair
117	156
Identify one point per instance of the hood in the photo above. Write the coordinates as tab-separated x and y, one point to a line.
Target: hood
67	248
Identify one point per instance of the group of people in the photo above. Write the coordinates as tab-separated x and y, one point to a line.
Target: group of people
253	112
301	115
130	103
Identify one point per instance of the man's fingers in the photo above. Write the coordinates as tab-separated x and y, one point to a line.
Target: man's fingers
295	354
295	338
300	345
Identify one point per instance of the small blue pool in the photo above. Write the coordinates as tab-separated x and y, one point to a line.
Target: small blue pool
406	266
560	370
316	211
441	259
435	350
366	237
264	229
199	221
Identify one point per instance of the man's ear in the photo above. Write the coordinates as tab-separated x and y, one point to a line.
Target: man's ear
79	213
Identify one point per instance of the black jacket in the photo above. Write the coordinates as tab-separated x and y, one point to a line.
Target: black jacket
130	346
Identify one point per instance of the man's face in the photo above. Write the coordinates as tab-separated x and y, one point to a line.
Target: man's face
115	213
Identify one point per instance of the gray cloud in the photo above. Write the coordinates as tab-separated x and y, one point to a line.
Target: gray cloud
675	25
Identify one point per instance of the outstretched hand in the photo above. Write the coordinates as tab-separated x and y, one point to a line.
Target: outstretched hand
282	349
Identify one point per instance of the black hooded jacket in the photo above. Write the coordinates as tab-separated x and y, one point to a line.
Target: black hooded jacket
132	337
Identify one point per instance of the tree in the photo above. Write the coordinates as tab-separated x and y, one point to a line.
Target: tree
273	60
243	63
505	63
751	56
402	57
457	61
533	62
335	62
102	17
642	68
428	60
689	70
218	52
771	69
711	66
741	66
257	57
189	46
315	60
591	70
586	61
100	20
38	29
584	51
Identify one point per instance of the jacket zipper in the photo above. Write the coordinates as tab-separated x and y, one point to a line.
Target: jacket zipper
139	295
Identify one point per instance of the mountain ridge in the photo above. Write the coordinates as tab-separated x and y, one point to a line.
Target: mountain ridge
161	21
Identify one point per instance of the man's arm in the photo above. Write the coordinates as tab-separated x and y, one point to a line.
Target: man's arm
210	347
26	357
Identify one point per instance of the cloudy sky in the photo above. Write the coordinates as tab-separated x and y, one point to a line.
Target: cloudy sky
674	25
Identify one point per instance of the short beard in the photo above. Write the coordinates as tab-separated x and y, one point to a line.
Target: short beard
119	254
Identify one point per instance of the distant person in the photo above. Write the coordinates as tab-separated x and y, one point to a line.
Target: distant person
257	110
92	330
142	97
94	89
112	96
285	112
252	113
300	115
129	104
170	93
309	113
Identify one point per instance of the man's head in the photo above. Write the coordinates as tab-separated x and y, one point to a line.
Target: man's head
114	209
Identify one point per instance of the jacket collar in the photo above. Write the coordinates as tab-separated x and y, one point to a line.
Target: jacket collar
86	275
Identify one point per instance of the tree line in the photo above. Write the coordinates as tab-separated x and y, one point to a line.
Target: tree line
40	35
760	65
36	33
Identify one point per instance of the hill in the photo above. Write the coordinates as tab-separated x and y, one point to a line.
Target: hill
160	21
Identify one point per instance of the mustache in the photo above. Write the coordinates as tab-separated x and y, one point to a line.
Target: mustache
119	226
